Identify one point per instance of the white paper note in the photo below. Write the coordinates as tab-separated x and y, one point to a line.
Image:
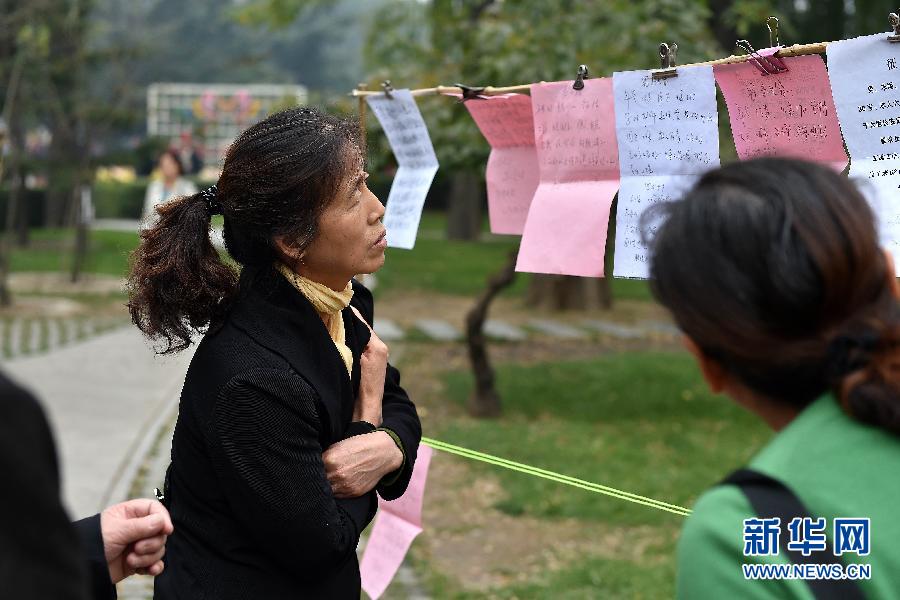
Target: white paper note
865	83
668	135
408	135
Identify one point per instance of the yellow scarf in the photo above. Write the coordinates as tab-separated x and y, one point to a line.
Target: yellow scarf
329	304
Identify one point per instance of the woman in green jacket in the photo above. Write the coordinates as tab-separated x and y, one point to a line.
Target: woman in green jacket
773	271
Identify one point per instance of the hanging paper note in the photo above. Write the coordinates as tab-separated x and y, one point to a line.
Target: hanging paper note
783	114
865	79
396	526
565	233
668	135
406	131
512	169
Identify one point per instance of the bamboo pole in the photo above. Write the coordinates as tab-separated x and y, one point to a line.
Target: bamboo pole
795	50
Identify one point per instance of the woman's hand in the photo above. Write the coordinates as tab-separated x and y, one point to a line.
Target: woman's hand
355	466
373	367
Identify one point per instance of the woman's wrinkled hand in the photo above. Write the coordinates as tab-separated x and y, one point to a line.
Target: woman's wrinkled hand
355	466
373	368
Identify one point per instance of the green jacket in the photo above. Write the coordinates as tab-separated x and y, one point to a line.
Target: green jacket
837	467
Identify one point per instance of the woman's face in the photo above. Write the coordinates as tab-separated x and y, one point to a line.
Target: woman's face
168	167
351	239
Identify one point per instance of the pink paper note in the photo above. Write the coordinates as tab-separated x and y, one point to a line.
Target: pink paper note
396	526
512	169
575	135
788	114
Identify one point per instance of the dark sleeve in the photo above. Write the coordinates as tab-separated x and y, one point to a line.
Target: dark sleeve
91	539
39	552
398	413
264	441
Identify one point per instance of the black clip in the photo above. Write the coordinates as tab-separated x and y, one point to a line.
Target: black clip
772	24
767	65
468	92
894	19
159	495
580	77
666	61
388	88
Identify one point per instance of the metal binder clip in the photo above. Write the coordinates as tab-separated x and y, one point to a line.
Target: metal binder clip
767	65
468	92
894	19
666	61
580	77
772	25
388	88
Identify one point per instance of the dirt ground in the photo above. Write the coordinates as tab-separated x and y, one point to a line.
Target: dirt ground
466	539
405	309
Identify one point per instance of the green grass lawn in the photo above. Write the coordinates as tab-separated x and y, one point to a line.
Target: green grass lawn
435	265
53	249
639	422
461	268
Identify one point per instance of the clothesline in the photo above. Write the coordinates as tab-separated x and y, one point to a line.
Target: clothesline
795	50
556	477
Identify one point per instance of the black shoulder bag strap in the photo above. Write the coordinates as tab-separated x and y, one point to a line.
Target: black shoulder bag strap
771	498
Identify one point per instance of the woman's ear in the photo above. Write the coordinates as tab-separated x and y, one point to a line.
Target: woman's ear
715	376
287	252
285	249
290	256
891	272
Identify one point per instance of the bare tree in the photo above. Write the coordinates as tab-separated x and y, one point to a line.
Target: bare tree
485	400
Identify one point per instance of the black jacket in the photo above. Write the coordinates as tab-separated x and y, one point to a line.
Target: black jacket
41	554
265	394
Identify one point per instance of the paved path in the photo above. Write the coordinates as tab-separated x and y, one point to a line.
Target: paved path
26	336
102	397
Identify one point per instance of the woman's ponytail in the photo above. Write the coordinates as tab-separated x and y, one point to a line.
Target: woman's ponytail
864	368
178	284
277	178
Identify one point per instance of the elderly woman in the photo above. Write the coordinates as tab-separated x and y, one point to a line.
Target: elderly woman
773	271
290	417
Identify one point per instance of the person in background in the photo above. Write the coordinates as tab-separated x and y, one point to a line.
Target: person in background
773	271
170	184
42	554
190	157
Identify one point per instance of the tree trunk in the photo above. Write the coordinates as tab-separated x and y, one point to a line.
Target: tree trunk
485	400
11	117
66	98
82	218
17	209
464	212
565	292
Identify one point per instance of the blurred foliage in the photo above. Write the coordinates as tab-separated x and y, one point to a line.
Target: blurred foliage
482	43
119	200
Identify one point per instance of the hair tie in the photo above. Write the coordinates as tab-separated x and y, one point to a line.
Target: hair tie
212	203
848	353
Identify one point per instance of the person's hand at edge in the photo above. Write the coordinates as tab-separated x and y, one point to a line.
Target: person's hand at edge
134	537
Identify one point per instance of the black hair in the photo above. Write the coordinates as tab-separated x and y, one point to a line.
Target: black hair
774	269
278	177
